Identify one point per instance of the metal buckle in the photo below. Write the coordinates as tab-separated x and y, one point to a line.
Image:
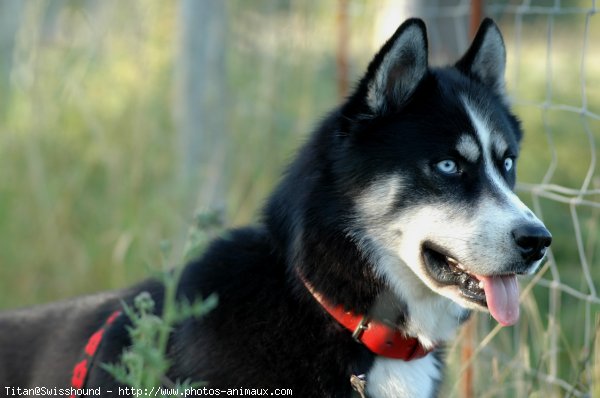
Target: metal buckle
362	326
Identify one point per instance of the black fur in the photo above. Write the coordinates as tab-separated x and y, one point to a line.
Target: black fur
268	331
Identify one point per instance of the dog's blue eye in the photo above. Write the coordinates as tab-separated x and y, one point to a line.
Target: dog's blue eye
447	166
508	164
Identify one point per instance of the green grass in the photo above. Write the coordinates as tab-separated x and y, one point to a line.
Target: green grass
89	183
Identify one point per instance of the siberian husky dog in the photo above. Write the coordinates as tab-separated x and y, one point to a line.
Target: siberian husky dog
394	222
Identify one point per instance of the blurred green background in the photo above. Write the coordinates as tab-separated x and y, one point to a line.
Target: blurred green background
119	120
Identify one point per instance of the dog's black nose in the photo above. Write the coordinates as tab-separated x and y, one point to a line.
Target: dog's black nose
532	241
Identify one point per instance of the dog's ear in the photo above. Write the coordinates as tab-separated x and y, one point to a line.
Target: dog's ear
485	60
397	69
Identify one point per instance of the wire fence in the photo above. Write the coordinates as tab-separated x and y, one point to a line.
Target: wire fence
554	85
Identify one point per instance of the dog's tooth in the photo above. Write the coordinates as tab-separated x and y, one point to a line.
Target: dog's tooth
481	284
460	266
453	262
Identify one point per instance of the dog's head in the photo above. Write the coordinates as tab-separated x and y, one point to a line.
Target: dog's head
433	153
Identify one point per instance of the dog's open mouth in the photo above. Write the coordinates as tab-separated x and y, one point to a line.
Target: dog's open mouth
498	293
447	271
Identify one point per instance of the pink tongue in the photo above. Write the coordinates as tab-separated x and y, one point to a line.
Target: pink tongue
502	295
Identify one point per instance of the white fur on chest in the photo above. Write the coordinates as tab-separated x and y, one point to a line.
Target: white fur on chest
394	378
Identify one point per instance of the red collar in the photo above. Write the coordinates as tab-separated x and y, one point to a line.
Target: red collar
378	337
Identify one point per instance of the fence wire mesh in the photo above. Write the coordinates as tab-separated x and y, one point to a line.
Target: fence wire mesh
553	78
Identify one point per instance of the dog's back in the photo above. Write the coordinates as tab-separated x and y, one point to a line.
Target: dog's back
39	346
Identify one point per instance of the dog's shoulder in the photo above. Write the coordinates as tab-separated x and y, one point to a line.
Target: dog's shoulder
239	260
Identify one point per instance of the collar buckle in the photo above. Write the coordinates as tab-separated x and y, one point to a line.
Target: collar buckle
360	328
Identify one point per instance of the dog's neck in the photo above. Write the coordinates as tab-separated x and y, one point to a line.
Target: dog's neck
381	338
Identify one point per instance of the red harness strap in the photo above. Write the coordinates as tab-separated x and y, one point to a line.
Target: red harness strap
378	337
81	369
